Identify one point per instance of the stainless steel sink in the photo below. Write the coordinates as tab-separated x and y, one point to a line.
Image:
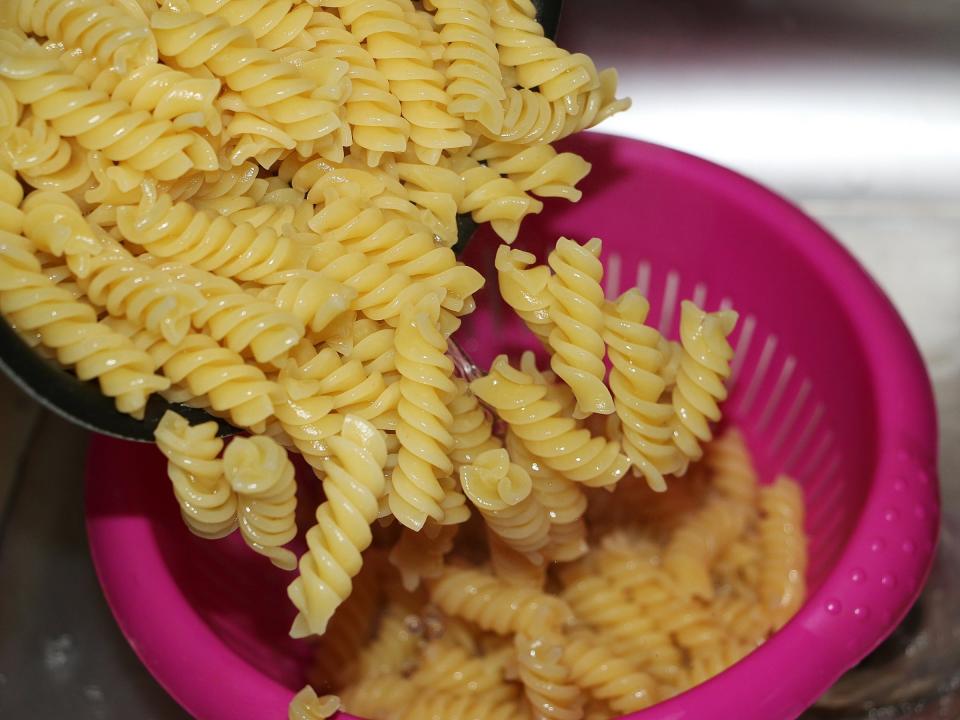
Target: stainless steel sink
851	109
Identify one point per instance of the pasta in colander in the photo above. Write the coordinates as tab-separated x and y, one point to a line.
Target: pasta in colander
251	207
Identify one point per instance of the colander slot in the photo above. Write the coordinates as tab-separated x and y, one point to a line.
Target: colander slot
791	416
700	295
759	374
669	307
805	436
643	278
611	275
773	402
743	345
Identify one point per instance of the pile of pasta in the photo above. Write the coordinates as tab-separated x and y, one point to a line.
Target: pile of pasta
249	206
675	587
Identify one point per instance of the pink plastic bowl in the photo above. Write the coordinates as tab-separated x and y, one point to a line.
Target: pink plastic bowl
828	386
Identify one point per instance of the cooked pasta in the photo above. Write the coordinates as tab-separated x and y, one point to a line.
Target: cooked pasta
307	706
782	585
207	501
704	365
494	605
524	288
576	309
262	475
423	428
645	421
250	207
353	485
558	441
547	682
502	492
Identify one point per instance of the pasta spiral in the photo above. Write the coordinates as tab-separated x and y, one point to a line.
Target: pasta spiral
448	667
472	428
273	23
501	490
215	244
372	112
547	682
494	605
784	560
645	422
220	375
169	94
353	485
109	34
704	365
576	308
490	197
314	299
529	117
556	440
606	676
44	159
395	48
207	502
141	144
733	473
307	706
538	169
524	288
473	75
538	61
423	427
262	475
608	609
33	304
109	275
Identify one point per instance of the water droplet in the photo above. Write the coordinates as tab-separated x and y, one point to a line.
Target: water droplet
909	547
920	511
861	613
833	607
891	515
899	485
858	575
888	581
878	545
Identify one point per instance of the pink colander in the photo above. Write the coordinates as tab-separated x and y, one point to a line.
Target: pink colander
827	386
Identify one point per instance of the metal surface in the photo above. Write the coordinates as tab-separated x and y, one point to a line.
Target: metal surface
851	109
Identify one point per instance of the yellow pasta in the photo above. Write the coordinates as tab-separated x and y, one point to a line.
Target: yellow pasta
606	676
782	584
524	288
207	501
250	206
307	706
645	421
353	485
576	309
547	682
423	429
502	491
110	34
558	441
141	144
704	365
494	605
262	475
44	159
